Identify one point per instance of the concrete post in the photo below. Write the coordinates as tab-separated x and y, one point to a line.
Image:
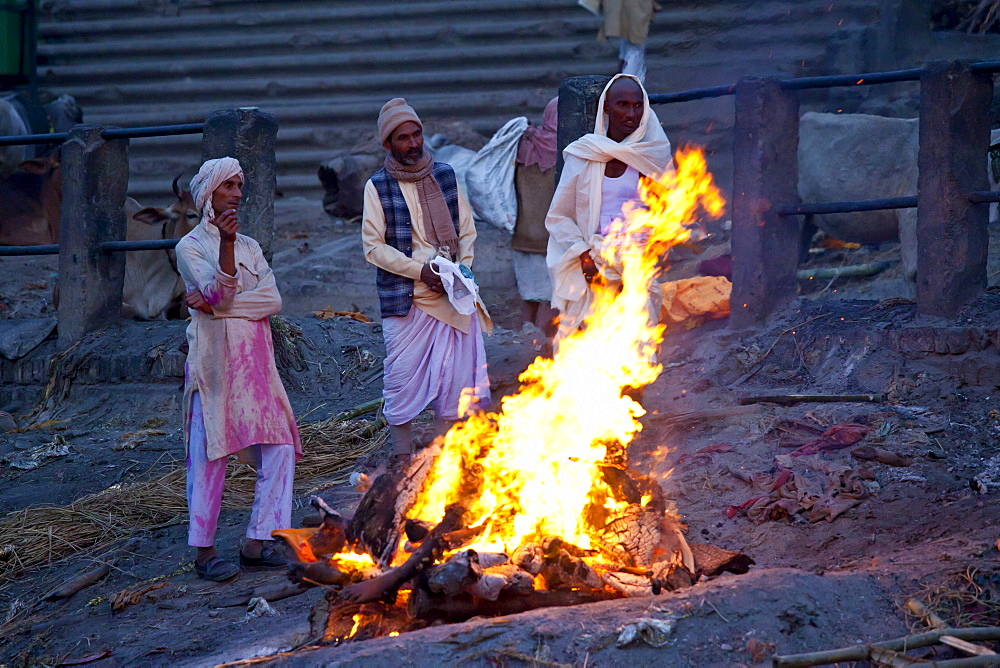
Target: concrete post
952	234
95	179
765	175
248	134
577	110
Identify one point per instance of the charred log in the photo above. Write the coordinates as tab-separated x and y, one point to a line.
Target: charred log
348	621
530	558
374	523
385	586
316	572
632	536
450	578
434	607
416	530
711	560
378	522
567	571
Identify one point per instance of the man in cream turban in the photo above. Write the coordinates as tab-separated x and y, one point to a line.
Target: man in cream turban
413	211
600	176
234	402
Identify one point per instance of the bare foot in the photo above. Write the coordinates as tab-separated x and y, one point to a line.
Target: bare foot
367	591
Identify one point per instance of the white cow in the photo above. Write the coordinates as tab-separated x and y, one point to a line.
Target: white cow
11	124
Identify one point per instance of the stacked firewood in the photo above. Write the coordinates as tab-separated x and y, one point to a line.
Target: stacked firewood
641	551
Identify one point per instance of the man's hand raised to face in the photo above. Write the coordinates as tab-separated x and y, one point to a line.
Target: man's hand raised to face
228	225
430	279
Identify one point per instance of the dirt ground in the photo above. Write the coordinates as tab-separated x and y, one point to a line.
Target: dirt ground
928	529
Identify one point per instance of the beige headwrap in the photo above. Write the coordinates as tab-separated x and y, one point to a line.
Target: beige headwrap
394	113
211	175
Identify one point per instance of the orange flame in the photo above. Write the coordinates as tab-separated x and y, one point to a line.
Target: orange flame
532	469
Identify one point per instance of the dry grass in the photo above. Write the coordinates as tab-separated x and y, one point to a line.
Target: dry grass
38	536
984	17
964	600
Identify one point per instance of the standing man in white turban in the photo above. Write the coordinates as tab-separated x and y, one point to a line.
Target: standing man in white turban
234	402
600	176
413	212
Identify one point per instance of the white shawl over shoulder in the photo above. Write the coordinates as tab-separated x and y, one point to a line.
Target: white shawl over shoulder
572	220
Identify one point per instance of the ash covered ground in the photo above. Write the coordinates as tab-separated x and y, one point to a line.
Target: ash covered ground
926	530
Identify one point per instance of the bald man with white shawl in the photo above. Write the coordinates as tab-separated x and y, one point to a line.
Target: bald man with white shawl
574	220
234	402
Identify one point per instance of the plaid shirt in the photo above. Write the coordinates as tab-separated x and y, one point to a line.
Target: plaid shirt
395	292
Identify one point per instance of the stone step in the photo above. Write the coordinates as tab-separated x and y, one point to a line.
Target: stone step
317	39
347	15
324	69
360	63
262	91
358	17
325	110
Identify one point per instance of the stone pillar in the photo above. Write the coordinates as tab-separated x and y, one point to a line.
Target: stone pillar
95	179
578	98
248	134
765	175
952	234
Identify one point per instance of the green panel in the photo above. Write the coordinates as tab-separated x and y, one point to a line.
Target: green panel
17	37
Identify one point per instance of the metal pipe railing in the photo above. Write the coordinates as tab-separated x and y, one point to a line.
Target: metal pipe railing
984	196
14	251
152	244
848	207
838	80
803	83
113	133
694	94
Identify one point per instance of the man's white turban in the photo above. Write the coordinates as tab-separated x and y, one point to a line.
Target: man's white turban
211	175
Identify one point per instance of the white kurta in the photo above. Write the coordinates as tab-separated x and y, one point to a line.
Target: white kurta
230	353
574	215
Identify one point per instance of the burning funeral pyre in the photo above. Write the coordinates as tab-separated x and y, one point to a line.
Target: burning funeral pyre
533	505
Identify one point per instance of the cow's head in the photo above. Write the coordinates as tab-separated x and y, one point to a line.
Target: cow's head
47	166
178	219
49	190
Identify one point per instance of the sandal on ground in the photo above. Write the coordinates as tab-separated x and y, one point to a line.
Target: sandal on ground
269	558
216	569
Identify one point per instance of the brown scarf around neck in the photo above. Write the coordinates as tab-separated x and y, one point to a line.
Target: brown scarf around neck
438	224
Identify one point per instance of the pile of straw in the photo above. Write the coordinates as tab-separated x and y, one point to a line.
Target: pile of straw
966	599
38	536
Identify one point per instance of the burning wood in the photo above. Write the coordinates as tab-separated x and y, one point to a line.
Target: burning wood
535	504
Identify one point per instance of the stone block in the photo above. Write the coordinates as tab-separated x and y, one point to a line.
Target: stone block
248	134
95	179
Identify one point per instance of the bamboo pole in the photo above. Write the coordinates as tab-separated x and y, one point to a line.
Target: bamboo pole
862	652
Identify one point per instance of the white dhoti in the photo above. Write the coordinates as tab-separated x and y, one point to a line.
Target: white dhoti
430	362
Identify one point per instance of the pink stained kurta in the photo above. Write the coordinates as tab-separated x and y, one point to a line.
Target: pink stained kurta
231	354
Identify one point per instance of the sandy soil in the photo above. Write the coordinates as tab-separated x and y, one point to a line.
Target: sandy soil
815	586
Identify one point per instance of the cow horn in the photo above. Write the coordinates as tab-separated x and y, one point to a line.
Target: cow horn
177	189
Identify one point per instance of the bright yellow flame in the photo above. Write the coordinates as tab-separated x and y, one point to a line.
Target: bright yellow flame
532	469
346	561
357	625
393	634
